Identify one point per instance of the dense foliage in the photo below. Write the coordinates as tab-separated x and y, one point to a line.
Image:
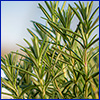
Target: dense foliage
61	63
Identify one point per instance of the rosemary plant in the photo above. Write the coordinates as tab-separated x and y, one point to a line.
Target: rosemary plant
61	63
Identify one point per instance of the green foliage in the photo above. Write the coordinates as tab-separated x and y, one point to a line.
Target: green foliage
60	63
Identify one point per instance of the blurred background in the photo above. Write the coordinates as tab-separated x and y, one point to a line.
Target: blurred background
16	17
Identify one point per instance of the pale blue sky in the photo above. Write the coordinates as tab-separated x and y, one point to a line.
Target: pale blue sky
15	19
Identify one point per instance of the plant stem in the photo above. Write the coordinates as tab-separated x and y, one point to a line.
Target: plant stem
86	90
44	93
86	72
73	67
85	61
58	89
94	89
64	71
43	89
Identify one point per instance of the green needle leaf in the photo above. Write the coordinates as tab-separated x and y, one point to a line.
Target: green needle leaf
93	75
68	55
93	56
45	12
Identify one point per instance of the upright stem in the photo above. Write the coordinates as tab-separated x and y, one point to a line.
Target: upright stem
64	71
86	91
58	89
73	67
86	72
94	89
43	89
85	60
43	93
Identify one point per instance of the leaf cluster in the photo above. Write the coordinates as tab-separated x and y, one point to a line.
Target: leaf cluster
60	63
